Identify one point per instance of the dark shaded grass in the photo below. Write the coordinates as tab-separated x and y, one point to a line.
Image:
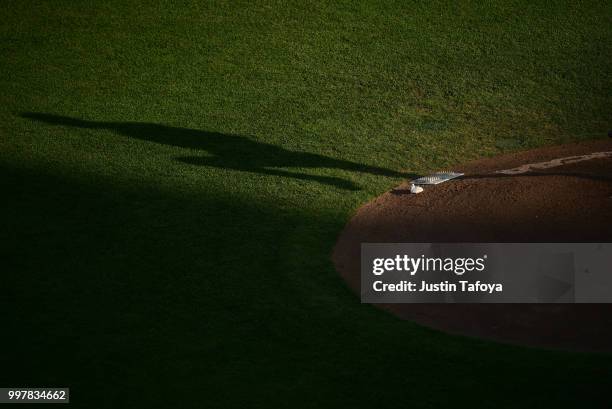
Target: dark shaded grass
165	309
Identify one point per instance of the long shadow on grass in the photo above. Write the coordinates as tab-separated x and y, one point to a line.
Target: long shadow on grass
228	151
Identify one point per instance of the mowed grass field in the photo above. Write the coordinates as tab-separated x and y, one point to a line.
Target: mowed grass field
174	176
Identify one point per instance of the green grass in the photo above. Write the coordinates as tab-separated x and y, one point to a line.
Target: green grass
174	176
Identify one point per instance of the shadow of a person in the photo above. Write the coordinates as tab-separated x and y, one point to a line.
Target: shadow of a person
227	151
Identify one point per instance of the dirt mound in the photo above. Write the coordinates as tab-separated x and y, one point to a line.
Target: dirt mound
553	194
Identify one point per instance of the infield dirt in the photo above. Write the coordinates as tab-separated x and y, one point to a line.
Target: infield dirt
563	201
